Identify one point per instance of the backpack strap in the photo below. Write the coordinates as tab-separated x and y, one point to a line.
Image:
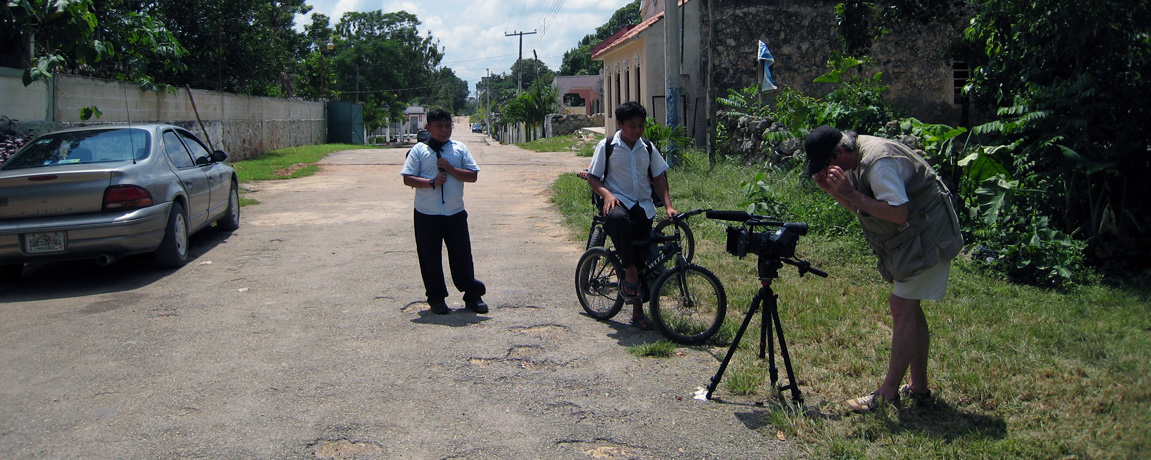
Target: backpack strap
609	147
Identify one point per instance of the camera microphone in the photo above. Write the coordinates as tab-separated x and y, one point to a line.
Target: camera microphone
737	216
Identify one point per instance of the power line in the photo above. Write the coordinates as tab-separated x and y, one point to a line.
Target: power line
547	20
479	59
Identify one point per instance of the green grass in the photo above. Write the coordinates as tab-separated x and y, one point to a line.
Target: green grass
657	349
288	163
582	144
1018	371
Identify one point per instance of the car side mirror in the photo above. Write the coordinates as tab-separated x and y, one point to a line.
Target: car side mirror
219	156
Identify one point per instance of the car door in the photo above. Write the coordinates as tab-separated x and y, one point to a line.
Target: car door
192	178
219	176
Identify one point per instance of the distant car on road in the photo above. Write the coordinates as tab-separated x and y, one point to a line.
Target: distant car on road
477	128
105	192
423	135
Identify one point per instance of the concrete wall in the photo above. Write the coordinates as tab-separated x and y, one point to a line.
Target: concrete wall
243	126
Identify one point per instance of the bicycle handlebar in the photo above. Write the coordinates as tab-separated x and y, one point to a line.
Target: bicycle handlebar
685	215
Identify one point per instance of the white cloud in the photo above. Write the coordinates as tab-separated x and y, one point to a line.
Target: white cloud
473	33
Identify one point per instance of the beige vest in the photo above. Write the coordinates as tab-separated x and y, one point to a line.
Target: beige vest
931	234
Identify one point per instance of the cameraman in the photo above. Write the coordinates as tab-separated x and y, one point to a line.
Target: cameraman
907	218
626	191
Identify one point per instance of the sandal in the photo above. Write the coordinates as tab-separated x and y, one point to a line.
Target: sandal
921	399
870	402
642	322
635	288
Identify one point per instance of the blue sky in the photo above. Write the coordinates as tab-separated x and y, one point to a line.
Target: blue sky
472	33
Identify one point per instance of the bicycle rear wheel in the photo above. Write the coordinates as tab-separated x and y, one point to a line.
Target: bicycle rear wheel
688	304
597	283
686	238
597	236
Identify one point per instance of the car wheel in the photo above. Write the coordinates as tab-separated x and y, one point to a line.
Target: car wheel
173	251
231	218
11	273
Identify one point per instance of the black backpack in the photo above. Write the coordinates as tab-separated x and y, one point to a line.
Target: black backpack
608	147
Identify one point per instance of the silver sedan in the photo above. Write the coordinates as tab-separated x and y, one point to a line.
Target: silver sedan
105	192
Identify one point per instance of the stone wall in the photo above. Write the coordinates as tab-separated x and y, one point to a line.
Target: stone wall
801	35
243	126
561	124
750	139
755	140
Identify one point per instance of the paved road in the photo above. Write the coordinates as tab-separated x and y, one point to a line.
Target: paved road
304	335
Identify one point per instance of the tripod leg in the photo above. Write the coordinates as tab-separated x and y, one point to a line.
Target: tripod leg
764	331
755	302
769	305
793	385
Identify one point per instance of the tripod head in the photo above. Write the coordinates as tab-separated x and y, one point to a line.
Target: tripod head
772	240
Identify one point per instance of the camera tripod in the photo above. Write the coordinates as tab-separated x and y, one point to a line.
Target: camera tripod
768	299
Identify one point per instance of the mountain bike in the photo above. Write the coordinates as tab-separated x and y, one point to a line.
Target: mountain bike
687	301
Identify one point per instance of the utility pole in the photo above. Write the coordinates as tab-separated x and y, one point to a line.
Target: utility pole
672	59
519	68
488	101
539	95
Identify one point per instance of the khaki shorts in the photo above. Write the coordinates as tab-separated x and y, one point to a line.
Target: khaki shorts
929	284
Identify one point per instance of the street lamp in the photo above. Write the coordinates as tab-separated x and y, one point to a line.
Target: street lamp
323	71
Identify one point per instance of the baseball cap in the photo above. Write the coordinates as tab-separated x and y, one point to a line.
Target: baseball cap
821	142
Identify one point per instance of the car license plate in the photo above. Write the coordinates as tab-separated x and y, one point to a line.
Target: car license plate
37	243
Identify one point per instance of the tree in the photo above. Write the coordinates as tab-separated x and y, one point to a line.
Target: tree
533	69
381	60
1070	83
577	61
242	46
115	39
136	46
314	69
530	107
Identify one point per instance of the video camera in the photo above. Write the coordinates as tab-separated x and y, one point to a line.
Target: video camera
774	247
779	243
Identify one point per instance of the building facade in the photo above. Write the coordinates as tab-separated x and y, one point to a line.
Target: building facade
580	94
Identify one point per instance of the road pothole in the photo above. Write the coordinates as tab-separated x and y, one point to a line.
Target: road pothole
544	331
521	356
609	453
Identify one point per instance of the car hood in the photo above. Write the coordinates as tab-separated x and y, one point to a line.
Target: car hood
59	191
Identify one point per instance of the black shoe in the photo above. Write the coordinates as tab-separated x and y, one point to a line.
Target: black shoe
439	307
477	305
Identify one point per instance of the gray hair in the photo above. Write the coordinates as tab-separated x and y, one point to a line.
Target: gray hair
848	140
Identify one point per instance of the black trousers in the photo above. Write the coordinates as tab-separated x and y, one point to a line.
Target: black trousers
625	226
432	234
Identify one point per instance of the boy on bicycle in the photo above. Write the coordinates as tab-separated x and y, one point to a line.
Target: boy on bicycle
625	181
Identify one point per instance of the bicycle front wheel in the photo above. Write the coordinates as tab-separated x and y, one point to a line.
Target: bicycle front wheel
688	304
597	283
686	237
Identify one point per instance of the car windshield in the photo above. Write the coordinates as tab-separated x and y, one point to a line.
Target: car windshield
79	147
